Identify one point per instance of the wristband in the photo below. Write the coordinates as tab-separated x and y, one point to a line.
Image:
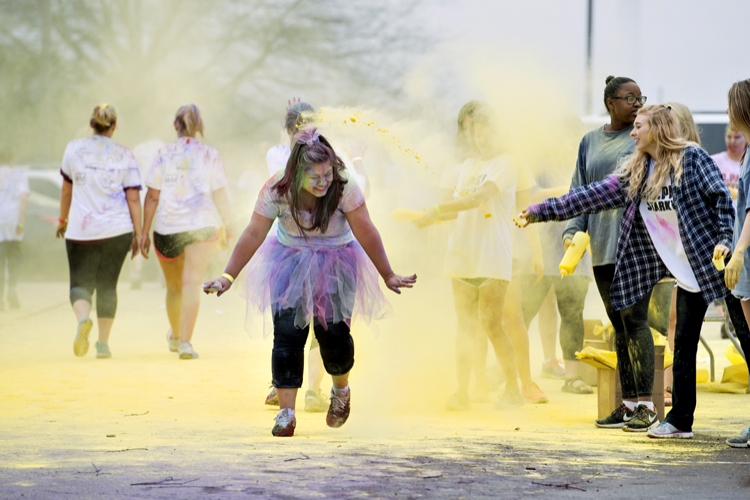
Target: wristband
389	276
20	224
437	209
228	277
356	158
62	221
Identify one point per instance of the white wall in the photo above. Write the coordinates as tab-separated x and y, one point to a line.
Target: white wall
681	50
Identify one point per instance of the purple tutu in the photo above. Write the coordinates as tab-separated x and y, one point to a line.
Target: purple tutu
327	284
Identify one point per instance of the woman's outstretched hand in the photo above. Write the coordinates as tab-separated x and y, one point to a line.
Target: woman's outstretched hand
217	286
733	268
523	219
395	281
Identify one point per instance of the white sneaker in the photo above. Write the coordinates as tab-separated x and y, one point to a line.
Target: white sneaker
741	441
667	430
186	351
174	344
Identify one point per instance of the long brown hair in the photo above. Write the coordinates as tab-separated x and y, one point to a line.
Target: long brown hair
311	148
665	133
739	107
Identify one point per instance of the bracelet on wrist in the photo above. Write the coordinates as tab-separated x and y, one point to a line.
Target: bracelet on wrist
62	221
356	158
228	277
437	209
389	276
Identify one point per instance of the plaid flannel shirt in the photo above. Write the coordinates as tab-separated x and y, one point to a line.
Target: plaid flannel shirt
705	218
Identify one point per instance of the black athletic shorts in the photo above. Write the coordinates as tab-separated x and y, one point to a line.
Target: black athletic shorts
171	246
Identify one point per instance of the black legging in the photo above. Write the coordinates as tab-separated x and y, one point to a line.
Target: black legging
288	355
571	298
95	267
633	341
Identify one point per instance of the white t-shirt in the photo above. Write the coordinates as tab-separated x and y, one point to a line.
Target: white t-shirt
13	184
187	173
100	170
278	156
660	217
481	245
730	169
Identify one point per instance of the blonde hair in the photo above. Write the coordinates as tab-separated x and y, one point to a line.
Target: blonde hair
188	120
103	118
739	107
670	145
688	129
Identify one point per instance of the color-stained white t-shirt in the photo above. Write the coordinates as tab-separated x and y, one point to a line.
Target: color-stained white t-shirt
660	217
100	170
13	184
730	169
338	233
187	173
278	156
481	245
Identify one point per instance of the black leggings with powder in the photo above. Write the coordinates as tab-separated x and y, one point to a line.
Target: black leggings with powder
95	267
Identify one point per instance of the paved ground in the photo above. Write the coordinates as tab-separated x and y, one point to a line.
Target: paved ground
147	425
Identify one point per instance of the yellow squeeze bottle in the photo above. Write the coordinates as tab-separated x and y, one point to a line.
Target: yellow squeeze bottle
719	263
574	253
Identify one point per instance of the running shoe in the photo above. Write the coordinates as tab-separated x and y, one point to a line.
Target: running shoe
533	394
509	400
315	402
617	419
553	368
338	411
643	420
581	387
285	424
102	350
458	402
741	441
174	344
273	398
81	343
186	351
665	430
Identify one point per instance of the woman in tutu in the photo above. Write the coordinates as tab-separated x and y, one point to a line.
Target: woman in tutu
313	272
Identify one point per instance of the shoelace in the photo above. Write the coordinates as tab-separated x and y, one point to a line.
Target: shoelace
338	402
283	419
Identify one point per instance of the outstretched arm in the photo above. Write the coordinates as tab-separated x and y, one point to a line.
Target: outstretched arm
449	209
590	199
247	244
368	236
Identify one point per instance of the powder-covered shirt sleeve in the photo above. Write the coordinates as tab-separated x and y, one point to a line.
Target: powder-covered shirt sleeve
66	170
155	176
353	197
501	173
218	176
267	204
132	179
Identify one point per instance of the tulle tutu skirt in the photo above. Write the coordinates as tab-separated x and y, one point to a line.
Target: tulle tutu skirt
327	284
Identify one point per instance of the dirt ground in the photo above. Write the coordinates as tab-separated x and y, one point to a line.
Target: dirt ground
145	424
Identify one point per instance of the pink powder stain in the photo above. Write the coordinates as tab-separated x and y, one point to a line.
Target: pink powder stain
85	222
666	228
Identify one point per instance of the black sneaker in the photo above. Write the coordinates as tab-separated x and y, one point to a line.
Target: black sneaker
643	420
617	419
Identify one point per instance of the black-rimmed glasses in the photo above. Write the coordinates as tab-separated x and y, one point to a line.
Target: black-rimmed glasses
630	99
